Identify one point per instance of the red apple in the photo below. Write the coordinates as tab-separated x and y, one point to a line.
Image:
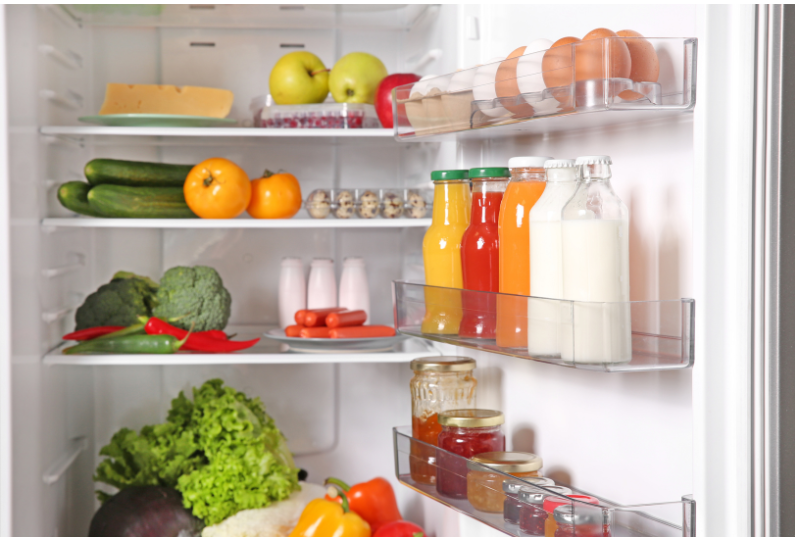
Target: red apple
383	96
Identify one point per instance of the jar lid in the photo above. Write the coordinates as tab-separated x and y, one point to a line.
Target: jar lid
489	172
536	496
578	515
471	417
527	162
553	502
512	486
449	175
443	364
594	159
510	462
559	163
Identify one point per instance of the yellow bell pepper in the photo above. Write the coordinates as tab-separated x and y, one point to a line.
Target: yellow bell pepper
322	518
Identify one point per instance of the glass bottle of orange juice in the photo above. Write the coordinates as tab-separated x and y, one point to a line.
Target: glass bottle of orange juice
441	251
527	183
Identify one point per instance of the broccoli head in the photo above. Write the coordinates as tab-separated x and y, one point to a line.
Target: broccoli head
194	295
118	303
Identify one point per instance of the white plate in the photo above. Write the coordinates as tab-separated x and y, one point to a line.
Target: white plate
335	346
156	120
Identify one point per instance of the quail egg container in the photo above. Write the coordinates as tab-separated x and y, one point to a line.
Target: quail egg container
367	203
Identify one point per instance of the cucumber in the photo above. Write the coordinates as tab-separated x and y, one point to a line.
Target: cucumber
117	201
106	171
74	196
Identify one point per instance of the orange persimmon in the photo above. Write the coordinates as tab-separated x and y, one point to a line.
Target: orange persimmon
217	188
275	195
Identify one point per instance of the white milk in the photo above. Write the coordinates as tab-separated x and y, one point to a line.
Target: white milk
596	269
546	263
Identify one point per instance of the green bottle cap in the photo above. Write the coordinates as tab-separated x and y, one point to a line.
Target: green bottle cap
489	172
449	175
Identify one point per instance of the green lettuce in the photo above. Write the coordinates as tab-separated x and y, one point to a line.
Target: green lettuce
222	451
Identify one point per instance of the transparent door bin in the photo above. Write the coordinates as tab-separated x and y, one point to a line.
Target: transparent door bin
609	336
587	76
605	519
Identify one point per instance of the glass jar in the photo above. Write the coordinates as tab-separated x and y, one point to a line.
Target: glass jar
532	516
465	433
553	502
511	487
578	520
484	489
480	253
440	383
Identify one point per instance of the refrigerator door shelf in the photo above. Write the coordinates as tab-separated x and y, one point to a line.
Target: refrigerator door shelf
598	336
665	519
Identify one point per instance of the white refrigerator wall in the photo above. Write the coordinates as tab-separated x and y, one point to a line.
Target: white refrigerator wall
626	437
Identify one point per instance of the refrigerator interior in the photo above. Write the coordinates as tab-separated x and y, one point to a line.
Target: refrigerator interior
626	437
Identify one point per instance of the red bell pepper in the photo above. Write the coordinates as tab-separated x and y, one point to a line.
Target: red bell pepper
373	500
400	528
197	341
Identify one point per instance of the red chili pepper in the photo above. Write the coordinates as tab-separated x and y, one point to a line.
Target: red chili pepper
198	341
373	500
215	334
90	333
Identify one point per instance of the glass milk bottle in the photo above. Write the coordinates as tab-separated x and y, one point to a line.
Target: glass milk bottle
595	224
546	259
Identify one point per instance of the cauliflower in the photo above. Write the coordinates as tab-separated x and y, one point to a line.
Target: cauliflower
194	295
118	303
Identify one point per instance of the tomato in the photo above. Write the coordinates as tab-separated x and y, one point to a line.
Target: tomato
400	528
275	195
217	188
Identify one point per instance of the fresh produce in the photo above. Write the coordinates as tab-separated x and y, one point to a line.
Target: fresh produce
346	318
355	78
134	344
197	341
373	330
222	451
383	97
400	528
299	78
117	201
275	195
74	196
91	333
217	188
193	297
323	518
373	500
107	171
145	511
118	303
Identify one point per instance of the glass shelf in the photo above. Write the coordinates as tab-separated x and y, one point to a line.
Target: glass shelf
570	80
599	336
667	519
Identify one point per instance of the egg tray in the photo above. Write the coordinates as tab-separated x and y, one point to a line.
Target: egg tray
538	81
345	203
269	115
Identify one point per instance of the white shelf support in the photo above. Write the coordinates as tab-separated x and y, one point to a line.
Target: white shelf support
58	468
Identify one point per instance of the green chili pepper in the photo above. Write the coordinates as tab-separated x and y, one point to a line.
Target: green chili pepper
130	330
130	344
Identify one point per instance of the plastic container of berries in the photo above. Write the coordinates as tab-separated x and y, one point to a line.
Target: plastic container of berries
269	115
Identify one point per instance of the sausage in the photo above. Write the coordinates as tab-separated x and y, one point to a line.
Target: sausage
293	330
299	317
361	331
318	317
318	331
346	318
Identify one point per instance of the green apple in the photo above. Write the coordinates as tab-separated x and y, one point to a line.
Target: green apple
355	78
299	78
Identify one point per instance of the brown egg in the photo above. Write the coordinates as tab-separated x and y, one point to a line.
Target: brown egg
590	62
645	64
507	86
557	63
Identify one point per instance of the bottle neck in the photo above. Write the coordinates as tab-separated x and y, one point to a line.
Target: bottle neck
451	201
484	185
596	172
519	175
561	175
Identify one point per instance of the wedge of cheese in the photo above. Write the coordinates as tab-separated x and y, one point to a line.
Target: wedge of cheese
156	99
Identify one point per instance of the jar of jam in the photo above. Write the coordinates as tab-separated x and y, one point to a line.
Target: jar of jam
440	383
577	520
484	488
511	487
465	433
553	502
532	517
